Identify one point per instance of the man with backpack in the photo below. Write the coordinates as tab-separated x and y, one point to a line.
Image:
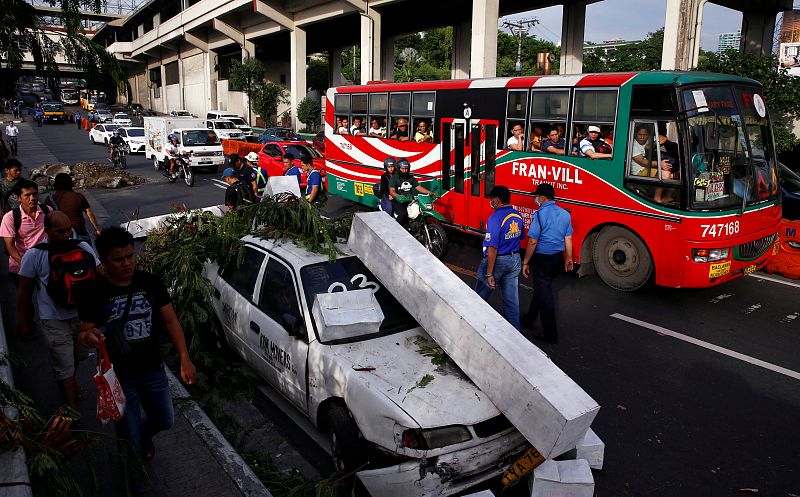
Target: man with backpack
315	187
9	184
238	194
58	274
23	226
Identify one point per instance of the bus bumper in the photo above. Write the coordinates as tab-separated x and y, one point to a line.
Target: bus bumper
744	259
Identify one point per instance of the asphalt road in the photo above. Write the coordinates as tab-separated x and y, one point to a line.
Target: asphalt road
700	389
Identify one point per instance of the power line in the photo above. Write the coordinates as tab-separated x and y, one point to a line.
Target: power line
519	29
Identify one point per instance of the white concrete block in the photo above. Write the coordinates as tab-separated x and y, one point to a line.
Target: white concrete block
562	479
542	402
140	227
282	184
482	493
346	314
592	449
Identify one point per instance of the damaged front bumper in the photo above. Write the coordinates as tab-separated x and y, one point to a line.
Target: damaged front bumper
448	473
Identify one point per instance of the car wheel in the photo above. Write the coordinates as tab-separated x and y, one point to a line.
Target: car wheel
105	140
156	163
621	259
91	139
347	445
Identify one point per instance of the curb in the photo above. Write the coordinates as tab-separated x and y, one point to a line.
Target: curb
13	467
227	457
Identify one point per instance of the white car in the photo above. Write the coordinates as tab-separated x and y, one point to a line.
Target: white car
225	129
103	115
134	138
122	119
101	133
181	113
239	123
386	397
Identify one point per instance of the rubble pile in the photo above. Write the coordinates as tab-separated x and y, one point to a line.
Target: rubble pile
86	175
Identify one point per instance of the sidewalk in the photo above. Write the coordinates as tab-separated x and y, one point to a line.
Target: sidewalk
192	459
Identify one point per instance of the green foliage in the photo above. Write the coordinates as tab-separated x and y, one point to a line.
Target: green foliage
641	56
266	100
351	71
248	75
781	91
309	112
282	484
264	96
317	77
531	46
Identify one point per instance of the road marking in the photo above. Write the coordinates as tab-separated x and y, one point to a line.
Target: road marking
219	183
774	280
790	318
751	309
709	346
720	298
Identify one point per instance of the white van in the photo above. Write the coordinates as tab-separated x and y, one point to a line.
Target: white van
236	120
193	136
225	129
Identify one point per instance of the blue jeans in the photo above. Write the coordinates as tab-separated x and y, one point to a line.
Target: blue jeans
149	393
386	204
506	277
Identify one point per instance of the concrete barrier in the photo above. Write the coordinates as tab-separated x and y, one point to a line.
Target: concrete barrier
542	402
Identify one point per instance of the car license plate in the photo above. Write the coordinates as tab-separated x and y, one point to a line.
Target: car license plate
522	466
204	162
750	269
720	269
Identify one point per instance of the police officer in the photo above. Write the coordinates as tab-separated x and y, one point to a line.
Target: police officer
549	239
501	261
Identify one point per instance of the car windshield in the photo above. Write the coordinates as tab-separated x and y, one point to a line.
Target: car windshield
349	273
731	148
181	113
225	125
301	150
52	107
199	137
121	116
135	131
236	121
112	127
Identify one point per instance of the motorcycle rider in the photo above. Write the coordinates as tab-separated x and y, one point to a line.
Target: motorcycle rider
114	142
401	187
390	169
174	150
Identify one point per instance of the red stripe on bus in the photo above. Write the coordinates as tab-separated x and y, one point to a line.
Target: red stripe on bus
605	80
522	82
458	84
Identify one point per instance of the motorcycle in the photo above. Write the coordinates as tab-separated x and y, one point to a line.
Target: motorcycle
183	168
119	157
424	223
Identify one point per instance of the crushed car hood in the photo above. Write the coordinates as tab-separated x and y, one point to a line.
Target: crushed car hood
414	373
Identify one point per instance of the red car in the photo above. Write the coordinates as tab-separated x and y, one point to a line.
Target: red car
319	141
270	158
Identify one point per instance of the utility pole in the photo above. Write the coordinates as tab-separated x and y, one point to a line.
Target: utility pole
519	30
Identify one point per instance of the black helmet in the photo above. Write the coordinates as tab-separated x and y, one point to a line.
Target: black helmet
403	164
390	161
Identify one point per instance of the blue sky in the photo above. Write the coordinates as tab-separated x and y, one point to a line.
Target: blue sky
631	20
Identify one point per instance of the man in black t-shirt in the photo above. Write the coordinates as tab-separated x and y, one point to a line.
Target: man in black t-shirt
130	312
401	187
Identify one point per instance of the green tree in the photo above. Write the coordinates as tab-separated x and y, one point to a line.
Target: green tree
264	96
267	99
23	30
409	61
781	90
641	56
309	112
531	46
436	47
247	76
317	77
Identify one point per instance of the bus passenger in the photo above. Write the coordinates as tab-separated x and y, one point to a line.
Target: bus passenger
516	141
400	131
642	162
376	128
423	134
554	144
357	128
536	139
401	186
593	146
344	129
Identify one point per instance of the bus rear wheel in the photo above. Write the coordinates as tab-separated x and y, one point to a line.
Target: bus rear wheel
621	259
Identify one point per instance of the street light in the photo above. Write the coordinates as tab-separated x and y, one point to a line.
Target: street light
519	29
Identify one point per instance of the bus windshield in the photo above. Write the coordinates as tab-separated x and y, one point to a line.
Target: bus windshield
730	146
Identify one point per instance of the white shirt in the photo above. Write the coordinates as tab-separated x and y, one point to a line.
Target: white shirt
12	131
513	141
377	131
638	149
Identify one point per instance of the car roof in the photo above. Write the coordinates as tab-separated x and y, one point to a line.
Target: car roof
288	143
132	127
296	255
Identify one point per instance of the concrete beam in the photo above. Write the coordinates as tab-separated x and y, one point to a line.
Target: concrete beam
323	12
483	53
461	46
758	32
278	15
359	4
228	30
681	34
297	71
370	46
387	58
573	27
196	41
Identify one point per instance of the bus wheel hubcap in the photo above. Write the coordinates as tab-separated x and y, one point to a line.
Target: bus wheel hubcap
622	256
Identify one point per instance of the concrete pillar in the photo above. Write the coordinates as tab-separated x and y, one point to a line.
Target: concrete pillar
164	107
335	67
213	77
573	27
370	46
483	53
180	81
758	32
248	51
297	71
387	58
459	68
682	34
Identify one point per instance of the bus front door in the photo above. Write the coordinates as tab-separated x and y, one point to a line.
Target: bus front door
468	159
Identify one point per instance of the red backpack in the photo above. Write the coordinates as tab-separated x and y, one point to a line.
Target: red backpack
72	273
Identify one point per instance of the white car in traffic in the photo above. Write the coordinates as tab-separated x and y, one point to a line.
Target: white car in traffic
103	116
225	129
122	119
134	138
385	394
101	133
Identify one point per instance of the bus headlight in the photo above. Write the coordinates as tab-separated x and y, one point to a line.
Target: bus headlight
434	438
710	255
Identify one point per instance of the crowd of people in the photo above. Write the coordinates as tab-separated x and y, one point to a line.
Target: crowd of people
377	129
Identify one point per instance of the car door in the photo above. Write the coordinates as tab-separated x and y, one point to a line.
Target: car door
281	324
99	132
234	292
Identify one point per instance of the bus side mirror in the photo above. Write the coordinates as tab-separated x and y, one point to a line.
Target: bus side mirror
711	136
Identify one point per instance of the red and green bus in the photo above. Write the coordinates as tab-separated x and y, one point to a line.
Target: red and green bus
688	196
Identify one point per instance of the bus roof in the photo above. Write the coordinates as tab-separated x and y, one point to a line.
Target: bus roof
566	80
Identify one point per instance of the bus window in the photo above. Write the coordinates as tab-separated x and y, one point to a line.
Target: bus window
516	109
358	114
458	160
399	109
595	109
341	109
378	109
422	114
548	112
653	160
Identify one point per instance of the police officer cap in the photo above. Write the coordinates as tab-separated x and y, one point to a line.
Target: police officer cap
502	193
545	189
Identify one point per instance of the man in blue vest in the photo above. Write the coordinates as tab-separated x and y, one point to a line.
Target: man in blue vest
549	239
501	262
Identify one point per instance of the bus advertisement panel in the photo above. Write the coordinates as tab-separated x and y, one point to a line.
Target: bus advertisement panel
670	177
